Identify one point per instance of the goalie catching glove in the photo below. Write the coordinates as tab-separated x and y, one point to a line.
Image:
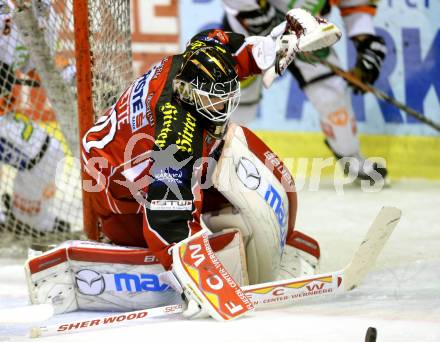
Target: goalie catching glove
301	32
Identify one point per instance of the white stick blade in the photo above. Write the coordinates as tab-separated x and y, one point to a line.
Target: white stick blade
365	257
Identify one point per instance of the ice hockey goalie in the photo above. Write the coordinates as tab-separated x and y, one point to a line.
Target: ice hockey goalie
165	164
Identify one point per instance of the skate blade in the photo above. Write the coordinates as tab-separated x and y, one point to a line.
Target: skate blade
358	183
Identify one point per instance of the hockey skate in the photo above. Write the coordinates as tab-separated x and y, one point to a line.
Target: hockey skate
361	168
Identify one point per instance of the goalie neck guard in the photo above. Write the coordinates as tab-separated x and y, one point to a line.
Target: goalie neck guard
208	82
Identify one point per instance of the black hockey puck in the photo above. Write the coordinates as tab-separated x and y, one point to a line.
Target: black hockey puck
371	335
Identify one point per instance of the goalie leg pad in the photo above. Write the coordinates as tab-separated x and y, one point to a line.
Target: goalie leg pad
263	208
95	276
82	275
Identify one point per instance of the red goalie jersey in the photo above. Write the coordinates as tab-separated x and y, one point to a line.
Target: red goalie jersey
141	155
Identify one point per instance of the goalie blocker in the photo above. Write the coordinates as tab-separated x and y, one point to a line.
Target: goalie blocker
257	230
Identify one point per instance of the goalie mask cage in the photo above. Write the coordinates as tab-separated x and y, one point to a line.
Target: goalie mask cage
63	62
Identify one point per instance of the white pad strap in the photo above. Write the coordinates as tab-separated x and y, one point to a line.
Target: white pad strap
300	257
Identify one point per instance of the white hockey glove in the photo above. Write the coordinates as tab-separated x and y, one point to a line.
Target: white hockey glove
301	32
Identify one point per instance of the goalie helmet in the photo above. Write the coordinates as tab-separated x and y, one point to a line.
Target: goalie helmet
209	83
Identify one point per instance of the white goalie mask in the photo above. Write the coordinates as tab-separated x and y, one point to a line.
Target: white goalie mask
208	81
219	102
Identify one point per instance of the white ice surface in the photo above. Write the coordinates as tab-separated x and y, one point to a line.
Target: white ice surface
400	297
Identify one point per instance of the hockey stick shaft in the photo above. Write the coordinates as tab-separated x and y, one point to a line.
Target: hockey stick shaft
263	295
350	78
270	294
105	322
294	290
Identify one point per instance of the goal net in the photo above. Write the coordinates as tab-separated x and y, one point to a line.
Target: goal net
56	56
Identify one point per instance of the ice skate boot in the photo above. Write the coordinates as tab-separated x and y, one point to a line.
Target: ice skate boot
357	166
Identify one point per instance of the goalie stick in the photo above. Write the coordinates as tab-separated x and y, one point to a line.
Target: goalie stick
121	319
277	293
293	290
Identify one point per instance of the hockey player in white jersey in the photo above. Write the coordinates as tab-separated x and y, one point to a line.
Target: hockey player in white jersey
24	145
328	93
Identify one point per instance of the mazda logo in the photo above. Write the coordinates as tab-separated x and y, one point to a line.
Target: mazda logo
248	173
89	282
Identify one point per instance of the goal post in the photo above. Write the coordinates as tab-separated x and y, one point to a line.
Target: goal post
85	103
104	68
64	63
